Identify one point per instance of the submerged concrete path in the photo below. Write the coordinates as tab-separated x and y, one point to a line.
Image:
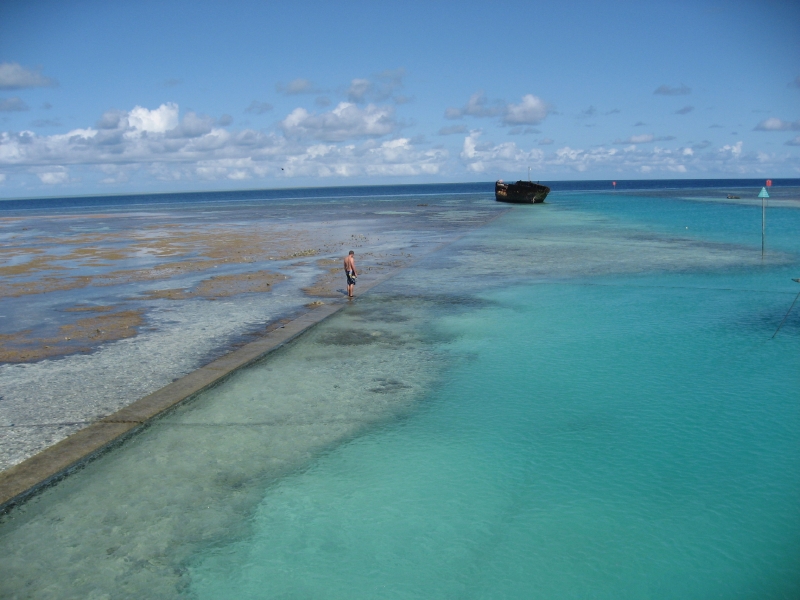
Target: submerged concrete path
59	460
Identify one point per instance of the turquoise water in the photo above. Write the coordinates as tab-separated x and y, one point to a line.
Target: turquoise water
602	442
581	399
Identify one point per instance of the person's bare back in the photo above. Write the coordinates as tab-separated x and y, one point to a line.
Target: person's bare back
350	271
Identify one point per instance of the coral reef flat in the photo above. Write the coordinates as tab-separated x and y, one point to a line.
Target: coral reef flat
105	303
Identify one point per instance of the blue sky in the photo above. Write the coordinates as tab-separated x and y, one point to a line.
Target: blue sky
118	97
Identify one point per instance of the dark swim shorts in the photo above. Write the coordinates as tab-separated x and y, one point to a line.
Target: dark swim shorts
351	278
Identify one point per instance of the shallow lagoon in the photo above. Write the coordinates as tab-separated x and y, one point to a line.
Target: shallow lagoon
578	399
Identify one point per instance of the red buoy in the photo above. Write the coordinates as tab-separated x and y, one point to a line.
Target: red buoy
769	182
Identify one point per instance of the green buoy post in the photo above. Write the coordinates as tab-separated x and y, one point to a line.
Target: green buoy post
763	194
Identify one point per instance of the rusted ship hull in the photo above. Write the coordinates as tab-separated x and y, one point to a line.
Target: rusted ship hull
523	192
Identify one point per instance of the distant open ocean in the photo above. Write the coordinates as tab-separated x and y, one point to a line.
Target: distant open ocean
128	201
597	397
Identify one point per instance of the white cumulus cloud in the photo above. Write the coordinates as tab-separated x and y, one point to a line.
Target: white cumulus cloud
734	150
397	157
54	177
487	157
157	120
169	148
532	110
346	121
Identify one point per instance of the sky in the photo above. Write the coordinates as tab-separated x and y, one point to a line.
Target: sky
100	97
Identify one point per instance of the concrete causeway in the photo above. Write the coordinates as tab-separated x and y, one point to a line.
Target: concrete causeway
52	464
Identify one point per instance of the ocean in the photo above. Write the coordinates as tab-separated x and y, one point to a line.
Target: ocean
593	397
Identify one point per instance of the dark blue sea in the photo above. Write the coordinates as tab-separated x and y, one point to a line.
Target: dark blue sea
338	194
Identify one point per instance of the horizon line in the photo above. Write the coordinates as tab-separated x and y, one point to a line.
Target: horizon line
381	185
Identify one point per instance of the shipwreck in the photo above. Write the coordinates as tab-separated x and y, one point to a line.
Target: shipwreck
524	192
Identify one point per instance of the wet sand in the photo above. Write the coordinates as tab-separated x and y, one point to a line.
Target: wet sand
101	308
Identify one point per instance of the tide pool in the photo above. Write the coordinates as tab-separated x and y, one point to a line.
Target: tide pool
581	399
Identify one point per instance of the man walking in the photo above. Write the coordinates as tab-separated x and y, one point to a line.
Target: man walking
350	270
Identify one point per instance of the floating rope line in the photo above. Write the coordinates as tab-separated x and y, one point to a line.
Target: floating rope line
787	312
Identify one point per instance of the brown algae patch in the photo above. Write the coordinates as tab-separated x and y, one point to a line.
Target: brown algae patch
35	264
89	309
189	249
81	336
224	286
42	286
